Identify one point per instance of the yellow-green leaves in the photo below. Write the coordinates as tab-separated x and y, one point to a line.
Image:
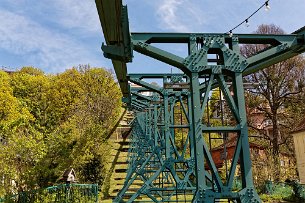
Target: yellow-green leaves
49	123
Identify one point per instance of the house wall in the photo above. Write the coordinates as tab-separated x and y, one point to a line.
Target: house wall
299	143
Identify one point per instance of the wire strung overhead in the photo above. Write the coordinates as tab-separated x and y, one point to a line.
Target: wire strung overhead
246	21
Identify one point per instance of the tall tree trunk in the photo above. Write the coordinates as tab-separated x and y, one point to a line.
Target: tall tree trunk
275	148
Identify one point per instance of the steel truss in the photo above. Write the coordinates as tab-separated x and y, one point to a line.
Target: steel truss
165	170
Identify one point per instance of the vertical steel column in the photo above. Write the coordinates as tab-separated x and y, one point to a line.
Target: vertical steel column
196	126
155	126
166	125
248	191
191	130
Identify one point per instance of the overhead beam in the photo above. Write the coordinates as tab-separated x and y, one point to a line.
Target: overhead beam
282	46
156	75
109	12
114	21
185	37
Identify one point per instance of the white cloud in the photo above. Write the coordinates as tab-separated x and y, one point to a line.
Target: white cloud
68	14
168	13
77	14
43	47
180	15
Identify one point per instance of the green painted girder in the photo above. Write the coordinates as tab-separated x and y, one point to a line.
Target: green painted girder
155	75
159	54
291	46
230	64
147	98
146	85
138	147
137	168
282	47
136	106
139	89
221	128
227	94
152	115
224	190
272	39
139	102
242	151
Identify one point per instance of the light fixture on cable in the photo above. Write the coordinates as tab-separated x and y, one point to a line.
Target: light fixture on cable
267	6
247	23
230	33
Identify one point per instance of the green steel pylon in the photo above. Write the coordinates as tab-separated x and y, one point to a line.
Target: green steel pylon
154	146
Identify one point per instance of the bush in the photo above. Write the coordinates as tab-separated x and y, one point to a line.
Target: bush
276	192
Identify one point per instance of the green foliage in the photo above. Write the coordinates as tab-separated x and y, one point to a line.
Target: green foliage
290	191
21	148
280	192
33	91
49	123
217	113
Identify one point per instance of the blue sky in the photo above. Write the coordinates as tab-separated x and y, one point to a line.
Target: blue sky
58	34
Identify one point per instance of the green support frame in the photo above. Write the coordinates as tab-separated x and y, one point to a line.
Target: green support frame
163	169
165	172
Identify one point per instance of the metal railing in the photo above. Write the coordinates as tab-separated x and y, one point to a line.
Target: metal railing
64	193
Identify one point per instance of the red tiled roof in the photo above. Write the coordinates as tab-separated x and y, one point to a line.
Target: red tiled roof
232	143
217	152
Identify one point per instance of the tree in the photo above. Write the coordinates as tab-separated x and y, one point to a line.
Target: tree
49	123
32	88
21	147
276	90
86	102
